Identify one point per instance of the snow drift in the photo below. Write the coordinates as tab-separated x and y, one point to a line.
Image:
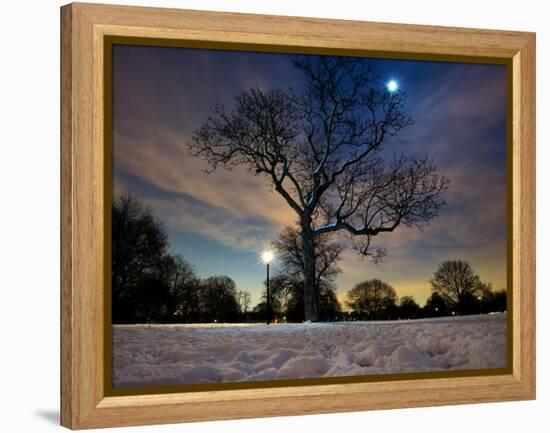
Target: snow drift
146	355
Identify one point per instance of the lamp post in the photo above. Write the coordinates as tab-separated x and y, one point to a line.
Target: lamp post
479	303
267	258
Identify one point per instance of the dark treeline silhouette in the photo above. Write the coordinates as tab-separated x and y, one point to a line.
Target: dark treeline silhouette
149	285
456	290
387	308
372	300
462	289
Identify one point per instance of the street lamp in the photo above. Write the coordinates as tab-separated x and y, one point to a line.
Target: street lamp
267	258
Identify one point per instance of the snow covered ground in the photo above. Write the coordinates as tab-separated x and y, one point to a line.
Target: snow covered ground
146	355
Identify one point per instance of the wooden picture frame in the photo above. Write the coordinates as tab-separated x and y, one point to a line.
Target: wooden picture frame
84	29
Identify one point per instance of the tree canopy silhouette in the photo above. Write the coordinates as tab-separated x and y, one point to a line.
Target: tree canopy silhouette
494	301
409	308
459	286
138	249
219	302
321	150
372	300
435	306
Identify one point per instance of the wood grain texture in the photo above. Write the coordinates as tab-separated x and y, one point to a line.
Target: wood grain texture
83	401
525	172
67	394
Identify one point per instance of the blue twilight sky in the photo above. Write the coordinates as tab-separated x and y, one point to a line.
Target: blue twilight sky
220	222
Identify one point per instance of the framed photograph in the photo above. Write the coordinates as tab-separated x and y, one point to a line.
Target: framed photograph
269	216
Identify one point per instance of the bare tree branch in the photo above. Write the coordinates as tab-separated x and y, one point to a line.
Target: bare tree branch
321	150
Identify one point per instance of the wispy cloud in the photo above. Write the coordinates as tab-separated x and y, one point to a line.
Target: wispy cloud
233	199
212	222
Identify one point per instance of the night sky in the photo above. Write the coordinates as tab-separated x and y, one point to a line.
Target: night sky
221	222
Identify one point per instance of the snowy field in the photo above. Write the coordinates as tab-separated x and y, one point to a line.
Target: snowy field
146	355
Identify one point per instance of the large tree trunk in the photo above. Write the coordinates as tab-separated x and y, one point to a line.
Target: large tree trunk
310	288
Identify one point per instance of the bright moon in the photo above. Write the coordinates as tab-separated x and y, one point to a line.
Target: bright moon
267	256
392	85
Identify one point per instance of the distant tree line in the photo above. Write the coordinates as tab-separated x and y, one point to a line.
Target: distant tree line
456	290
149	285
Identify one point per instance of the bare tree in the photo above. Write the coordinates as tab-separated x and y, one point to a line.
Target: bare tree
244	299
458	284
182	302
287	298
371	299
326	253
321	150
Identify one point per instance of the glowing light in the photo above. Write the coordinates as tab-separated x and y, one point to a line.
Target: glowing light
268	256
392	85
